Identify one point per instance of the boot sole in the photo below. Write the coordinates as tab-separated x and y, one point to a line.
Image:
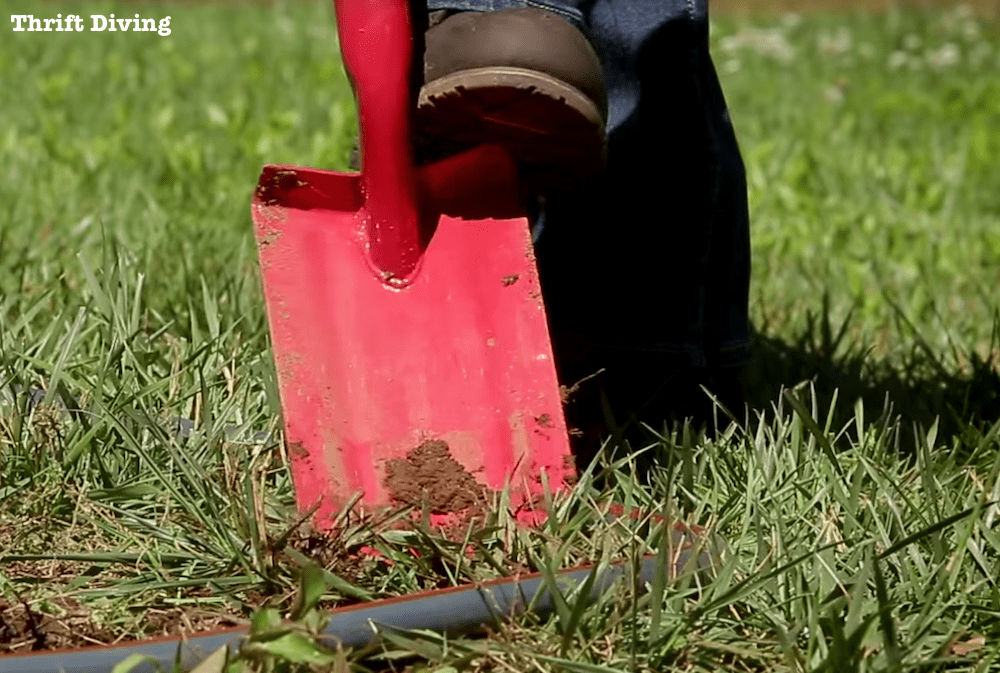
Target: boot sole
552	128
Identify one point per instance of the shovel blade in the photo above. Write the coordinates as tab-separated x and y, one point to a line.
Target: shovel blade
367	372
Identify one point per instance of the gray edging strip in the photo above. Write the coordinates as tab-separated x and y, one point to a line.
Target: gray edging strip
452	611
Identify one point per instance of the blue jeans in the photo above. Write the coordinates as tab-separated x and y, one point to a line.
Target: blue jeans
656	255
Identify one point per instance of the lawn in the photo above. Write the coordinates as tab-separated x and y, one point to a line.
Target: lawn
858	507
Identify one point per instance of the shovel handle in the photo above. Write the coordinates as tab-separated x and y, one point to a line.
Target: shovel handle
376	43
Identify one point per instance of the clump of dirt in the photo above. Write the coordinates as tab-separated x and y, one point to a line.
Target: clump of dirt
429	469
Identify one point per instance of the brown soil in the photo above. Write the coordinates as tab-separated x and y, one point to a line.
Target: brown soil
430	471
66	623
330	551
22	628
32	619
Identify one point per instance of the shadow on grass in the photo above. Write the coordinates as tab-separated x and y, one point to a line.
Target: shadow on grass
961	392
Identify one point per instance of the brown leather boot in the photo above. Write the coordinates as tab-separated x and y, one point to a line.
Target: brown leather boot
523	78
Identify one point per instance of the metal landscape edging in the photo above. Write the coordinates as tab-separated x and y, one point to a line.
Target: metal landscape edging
452	611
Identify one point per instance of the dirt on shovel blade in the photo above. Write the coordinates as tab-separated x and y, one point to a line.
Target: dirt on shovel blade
429	469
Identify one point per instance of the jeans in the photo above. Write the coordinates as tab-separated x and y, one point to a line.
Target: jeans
654	256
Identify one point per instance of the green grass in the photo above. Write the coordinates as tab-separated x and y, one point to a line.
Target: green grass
857	509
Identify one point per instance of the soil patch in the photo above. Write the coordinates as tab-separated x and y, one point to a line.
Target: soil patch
65	622
333	552
429	471
23	628
39	614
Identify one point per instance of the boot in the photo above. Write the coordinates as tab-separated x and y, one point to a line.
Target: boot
524	78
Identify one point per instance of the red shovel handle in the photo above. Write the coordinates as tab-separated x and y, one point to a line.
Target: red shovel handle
376	42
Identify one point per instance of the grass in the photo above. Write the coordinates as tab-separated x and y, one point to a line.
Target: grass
858	508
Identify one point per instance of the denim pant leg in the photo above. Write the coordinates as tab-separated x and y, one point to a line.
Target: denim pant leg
655	255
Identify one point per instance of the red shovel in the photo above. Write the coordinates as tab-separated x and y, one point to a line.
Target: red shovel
405	313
